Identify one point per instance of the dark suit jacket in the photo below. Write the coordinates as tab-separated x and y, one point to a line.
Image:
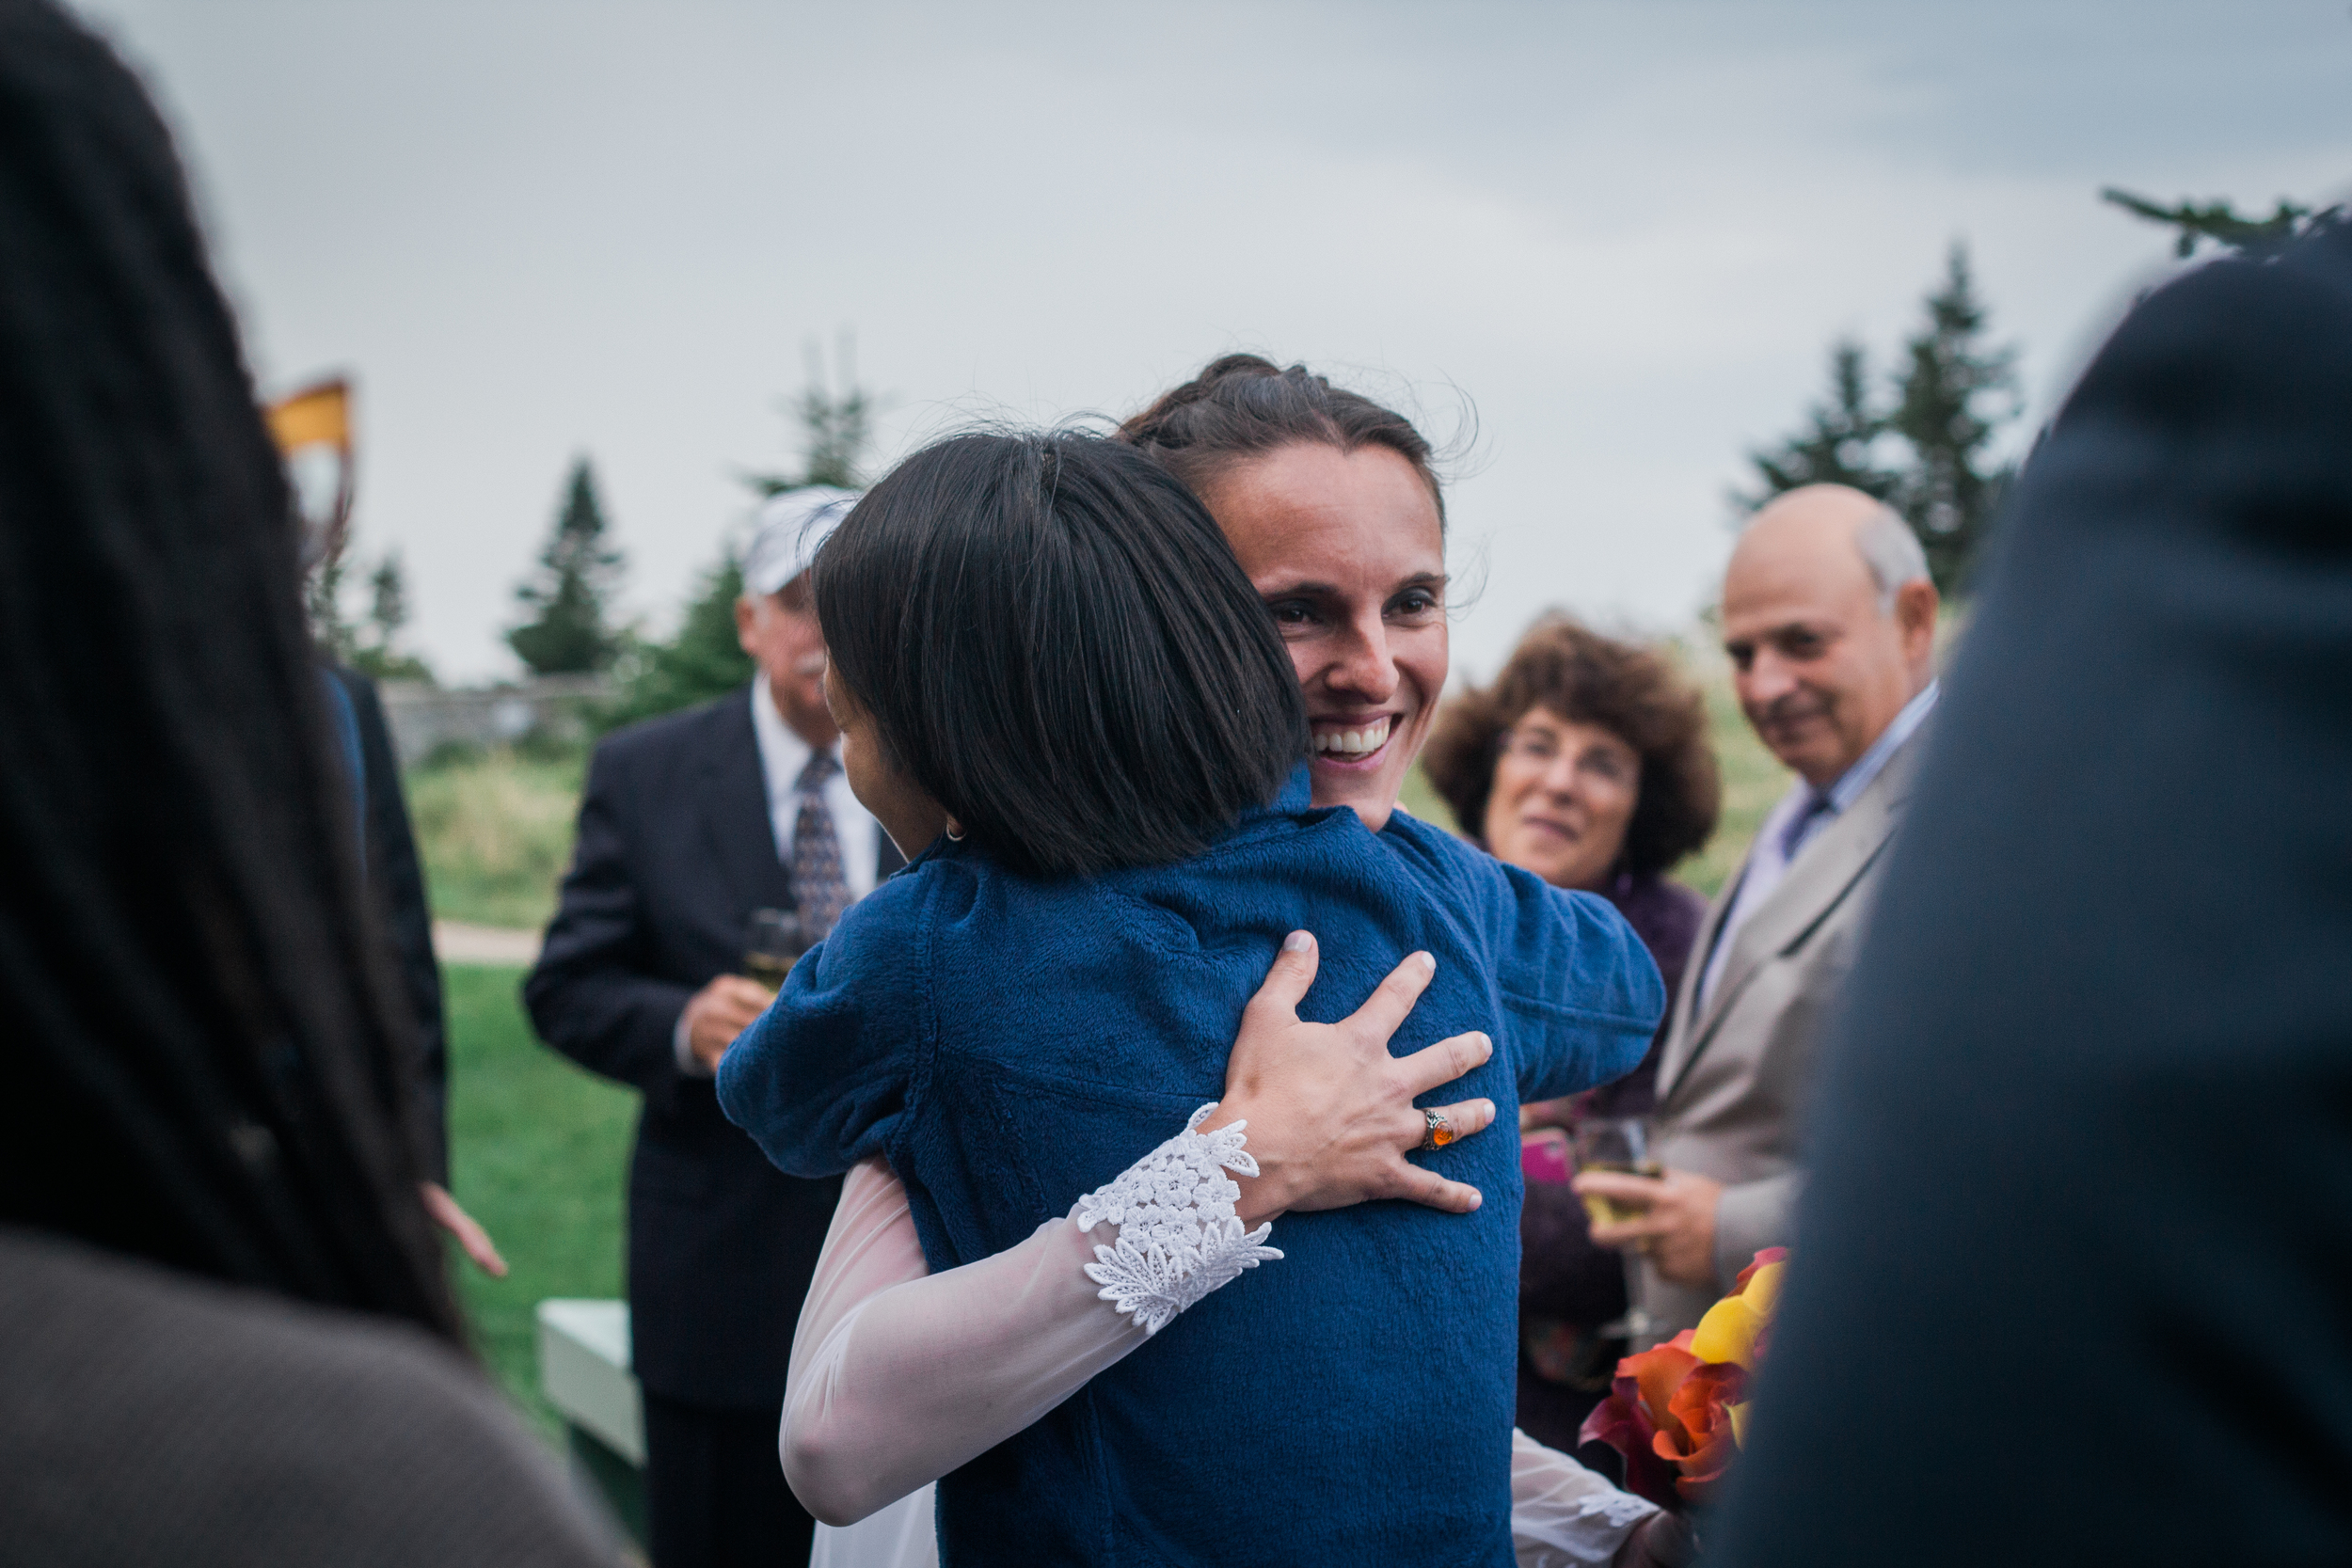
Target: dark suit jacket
2070	1284
397	881
675	852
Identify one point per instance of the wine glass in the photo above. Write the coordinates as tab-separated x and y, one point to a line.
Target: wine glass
771	945
1619	1144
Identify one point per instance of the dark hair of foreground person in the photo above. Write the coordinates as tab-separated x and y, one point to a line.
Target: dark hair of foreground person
1055	641
1633	692
1244	406
2069	1285
204	1035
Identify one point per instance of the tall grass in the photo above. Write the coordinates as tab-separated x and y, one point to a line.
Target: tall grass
495	831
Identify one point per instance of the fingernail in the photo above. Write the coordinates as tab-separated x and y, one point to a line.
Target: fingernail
1427	961
1298	941
1490	1109
1476	1198
1487	1042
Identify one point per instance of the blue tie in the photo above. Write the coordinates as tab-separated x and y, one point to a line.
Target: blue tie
1815	807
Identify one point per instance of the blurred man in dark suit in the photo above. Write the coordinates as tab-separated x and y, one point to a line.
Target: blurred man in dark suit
689	823
396	880
2070	1282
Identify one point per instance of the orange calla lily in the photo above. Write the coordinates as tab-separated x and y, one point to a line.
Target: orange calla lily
1685	1402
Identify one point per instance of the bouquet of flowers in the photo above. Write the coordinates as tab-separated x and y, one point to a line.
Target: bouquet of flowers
1679	1413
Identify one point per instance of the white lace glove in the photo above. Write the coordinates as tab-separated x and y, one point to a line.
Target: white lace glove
1178	1236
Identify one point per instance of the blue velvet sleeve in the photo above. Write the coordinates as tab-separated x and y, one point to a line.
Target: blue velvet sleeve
824	1076
1580	988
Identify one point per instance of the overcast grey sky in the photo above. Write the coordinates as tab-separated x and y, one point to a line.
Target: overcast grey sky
1623	233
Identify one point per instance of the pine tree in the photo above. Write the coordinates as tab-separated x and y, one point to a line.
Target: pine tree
378	652
2220	222
835	429
705	659
577	574
1954	394
1839	443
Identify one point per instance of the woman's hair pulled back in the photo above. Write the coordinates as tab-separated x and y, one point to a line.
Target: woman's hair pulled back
1054	639
1244	406
208	1058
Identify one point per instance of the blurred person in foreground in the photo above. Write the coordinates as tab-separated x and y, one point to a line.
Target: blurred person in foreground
225	1332
689	823
1586	762
1829	619
2071	1282
395	878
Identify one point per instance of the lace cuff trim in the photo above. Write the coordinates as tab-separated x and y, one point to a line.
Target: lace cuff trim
1178	1236
1615	1509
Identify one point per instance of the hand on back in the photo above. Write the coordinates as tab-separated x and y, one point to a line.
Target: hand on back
1331	1112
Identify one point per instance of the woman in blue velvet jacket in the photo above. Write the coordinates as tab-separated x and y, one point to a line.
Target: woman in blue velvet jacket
1044	649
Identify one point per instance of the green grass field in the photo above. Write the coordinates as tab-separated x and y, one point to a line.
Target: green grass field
539	1154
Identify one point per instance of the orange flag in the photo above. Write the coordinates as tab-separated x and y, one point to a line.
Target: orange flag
316	415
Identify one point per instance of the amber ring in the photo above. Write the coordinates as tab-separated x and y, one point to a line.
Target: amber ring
1440	1131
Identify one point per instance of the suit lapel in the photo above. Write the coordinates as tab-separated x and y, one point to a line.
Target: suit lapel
1825	871
732	801
1679	1037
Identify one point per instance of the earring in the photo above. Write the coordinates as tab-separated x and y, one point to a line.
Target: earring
954	835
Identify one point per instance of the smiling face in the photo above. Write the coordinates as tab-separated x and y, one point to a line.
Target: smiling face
1821	664
1346	550
1562	797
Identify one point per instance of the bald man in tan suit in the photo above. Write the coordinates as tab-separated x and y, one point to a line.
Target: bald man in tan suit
1829	619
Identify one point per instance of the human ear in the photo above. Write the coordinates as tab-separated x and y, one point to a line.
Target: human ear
1915	603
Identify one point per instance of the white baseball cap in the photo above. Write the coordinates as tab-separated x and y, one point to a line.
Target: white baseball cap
791	528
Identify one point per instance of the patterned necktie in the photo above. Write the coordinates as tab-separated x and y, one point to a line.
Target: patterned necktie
818	888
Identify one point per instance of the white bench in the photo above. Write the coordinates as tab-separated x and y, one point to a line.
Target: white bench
585	1374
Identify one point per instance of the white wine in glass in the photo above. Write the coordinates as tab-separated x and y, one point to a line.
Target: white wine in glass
1619	1144
771	945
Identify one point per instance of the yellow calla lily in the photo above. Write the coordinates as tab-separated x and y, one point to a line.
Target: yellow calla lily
1728	1331
1763	1291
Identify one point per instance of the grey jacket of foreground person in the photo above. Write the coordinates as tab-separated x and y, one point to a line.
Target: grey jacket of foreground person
1735	1076
2072	1286
148	1416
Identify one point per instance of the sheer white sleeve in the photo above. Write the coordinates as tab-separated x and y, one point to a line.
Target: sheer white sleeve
900	1375
1563	1516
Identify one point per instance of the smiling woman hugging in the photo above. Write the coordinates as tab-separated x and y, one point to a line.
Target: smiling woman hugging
1061	687
1332	505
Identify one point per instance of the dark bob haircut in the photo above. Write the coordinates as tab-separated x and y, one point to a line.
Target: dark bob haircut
1054	641
1633	692
1243	406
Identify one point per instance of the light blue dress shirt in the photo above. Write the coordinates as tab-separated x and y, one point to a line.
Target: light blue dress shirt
1798	819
